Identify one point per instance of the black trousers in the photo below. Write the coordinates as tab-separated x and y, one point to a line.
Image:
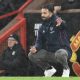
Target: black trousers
43	58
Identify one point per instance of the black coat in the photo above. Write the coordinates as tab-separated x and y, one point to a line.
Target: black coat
14	61
52	38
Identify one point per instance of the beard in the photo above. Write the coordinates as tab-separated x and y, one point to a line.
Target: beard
45	18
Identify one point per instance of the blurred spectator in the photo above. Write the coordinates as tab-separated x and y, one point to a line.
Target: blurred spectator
65	4
10	5
70	4
13	59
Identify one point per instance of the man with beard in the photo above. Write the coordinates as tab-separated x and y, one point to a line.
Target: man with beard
52	43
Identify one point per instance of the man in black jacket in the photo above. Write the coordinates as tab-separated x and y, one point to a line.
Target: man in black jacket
13	59
52	43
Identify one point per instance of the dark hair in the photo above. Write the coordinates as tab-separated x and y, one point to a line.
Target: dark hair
49	6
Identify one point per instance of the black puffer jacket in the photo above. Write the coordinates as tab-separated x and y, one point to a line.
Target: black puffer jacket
14	61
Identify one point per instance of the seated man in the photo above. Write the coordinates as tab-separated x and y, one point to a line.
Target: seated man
13	59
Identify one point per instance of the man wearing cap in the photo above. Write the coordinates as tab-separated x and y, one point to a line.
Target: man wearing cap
13	59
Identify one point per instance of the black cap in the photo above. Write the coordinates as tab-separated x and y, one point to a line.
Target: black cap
14	36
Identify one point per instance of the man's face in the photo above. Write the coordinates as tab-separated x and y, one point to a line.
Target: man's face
11	42
45	14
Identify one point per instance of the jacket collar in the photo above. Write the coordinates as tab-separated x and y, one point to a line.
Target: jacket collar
14	47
